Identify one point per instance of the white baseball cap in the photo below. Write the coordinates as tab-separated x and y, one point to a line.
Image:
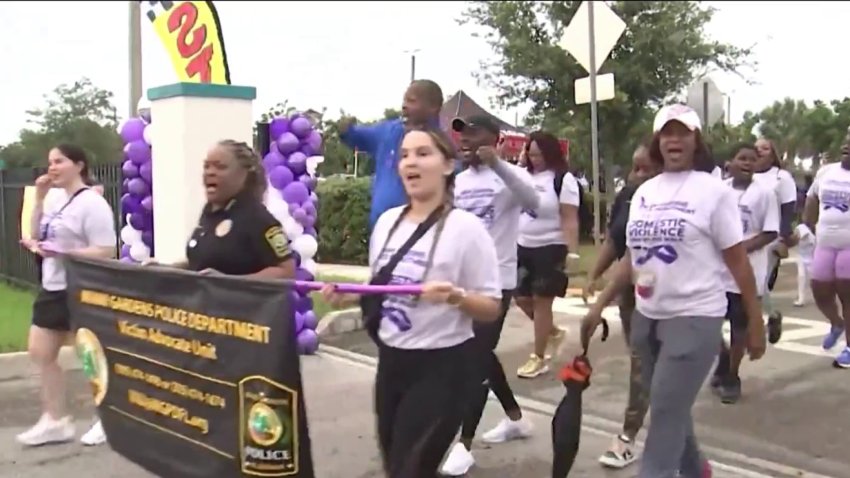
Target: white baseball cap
682	113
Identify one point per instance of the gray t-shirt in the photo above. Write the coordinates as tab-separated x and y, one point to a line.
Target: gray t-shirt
86	221
465	256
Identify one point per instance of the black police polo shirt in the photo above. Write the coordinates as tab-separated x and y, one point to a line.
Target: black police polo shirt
240	239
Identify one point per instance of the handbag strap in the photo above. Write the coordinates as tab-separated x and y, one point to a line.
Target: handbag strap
420	231
68	203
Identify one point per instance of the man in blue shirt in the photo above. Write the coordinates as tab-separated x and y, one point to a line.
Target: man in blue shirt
422	102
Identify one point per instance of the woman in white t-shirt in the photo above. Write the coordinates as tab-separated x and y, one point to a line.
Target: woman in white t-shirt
770	175
69	217
425	343
684	231
546	236
828	200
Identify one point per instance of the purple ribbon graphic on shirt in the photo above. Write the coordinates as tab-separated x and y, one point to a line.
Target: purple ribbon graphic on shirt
398	317
665	253
836	204
530	212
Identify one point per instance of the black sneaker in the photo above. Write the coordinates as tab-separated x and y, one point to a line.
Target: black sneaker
730	390
774	327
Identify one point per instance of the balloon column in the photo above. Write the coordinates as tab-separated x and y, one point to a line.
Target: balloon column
136	200
290	164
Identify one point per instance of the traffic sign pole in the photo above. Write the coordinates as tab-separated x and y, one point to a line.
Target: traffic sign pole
594	130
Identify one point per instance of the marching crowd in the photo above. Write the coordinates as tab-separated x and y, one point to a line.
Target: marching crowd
687	250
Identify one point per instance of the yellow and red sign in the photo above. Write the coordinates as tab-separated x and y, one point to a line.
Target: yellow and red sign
191	33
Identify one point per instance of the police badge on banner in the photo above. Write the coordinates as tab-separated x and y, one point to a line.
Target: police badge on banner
192	376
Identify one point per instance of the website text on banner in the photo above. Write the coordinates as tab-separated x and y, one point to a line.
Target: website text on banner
193	376
191	34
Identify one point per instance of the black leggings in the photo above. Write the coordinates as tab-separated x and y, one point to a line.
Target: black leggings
490	374
420	398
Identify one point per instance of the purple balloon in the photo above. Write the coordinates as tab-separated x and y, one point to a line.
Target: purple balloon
314	140
297	162
125	250
139	152
300	127
309	208
298	214
299	321
287	143
292	207
297	258
125	186
133	130
137	221
308	342
308	181
129	170
146	171
273	159
147	203
311	231
129	204
310	320
280	177
278	126
305	304
147	238
306	150
303	274
309	221
139	188
148	221
314	198
295	192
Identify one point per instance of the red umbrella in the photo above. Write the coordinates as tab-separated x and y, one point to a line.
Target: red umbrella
566	424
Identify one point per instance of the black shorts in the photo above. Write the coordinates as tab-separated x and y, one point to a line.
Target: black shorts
541	271
50	310
737	317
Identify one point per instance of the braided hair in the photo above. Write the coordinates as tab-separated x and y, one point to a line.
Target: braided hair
255	181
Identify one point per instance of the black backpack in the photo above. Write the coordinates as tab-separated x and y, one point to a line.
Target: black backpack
585	216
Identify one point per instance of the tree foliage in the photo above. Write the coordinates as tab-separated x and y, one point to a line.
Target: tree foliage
79	113
663	49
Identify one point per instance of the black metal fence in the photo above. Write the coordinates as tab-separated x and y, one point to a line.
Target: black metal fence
17	265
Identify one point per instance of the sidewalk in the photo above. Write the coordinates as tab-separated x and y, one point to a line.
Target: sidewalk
339	403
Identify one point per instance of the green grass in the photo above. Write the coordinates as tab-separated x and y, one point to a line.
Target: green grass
15	314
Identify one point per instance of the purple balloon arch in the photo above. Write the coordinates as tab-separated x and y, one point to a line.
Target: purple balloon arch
294	152
295	149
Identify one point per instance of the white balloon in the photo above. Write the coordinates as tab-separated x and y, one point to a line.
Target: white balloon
139	251
130	236
305	245
276	205
309	265
313	163
147	134
292	229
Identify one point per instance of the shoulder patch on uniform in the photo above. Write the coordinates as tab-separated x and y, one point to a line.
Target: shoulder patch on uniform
277	240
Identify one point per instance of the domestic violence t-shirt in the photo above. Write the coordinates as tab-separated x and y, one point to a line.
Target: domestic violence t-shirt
759	214
483	193
464	255
678	225
832	188
542	226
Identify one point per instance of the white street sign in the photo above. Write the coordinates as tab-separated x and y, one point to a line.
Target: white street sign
604	88
607	26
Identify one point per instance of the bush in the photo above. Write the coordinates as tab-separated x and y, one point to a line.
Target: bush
343	221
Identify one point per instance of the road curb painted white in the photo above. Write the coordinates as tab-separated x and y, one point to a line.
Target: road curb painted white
602	426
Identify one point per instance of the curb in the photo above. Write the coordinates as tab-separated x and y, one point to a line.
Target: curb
17	365
340	322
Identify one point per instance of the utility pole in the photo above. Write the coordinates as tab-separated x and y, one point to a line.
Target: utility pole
412	63
135	57
594	129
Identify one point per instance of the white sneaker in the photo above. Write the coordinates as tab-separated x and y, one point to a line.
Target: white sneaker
508	429
620	455
48	431
95	436
459	461
799	303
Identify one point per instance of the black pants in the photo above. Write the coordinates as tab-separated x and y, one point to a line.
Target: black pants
489	372
420	399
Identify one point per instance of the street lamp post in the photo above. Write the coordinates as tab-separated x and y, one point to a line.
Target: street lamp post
412	63
135	57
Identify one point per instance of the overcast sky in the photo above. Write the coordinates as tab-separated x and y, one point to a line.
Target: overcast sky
351	56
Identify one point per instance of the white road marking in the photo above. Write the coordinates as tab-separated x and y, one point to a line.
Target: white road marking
607	427
792	340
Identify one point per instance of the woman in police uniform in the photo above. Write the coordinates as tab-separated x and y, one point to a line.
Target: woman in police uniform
236	234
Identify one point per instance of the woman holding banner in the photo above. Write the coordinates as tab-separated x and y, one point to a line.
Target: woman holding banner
68	216
425	343
236	234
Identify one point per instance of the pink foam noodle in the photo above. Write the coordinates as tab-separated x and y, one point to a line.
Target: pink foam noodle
362	289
